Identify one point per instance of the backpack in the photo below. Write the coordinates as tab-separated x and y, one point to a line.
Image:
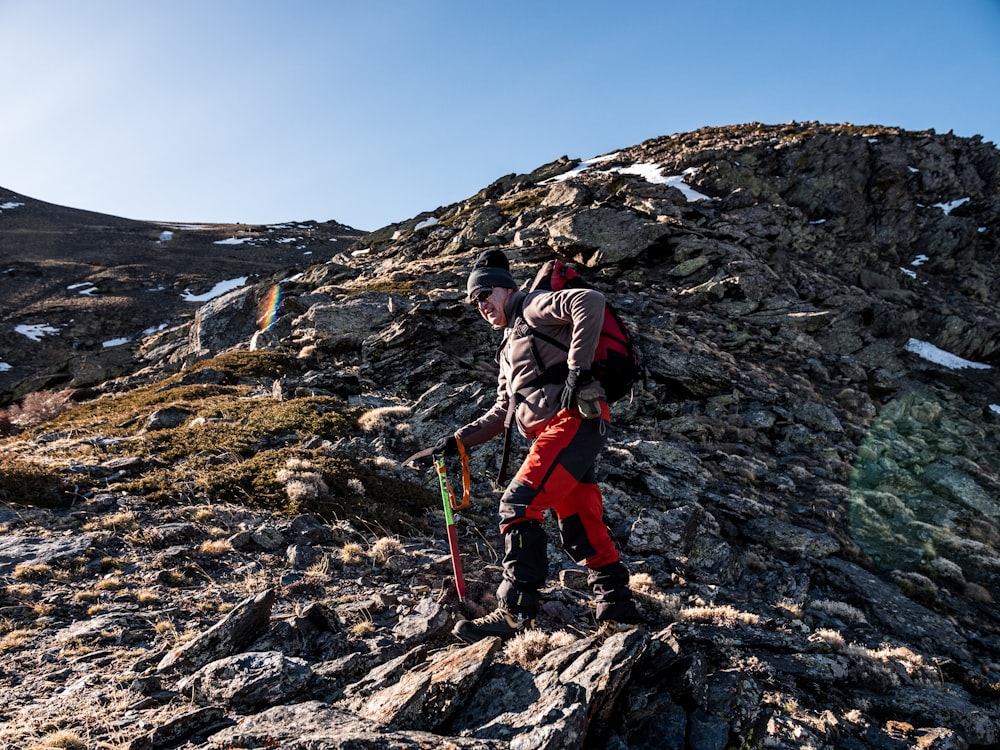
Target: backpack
616	361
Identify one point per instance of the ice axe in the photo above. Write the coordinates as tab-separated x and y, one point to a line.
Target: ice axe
450	503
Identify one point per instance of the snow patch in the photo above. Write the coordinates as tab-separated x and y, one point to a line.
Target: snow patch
654	173
166	236
931	353
9	205
35	332
4	367
951	206
154	329
216	291
583	165
115	342
429	222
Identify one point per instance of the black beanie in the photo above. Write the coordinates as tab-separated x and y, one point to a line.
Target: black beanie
489	270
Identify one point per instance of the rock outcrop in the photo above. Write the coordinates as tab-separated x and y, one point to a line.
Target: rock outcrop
806	486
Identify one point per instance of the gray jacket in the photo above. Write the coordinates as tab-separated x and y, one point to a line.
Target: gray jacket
573	317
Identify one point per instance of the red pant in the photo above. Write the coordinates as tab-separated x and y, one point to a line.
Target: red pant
558	474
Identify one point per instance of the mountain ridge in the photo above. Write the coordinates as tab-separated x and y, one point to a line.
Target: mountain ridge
807	500
88	279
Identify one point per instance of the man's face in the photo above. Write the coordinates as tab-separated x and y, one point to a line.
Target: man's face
490	304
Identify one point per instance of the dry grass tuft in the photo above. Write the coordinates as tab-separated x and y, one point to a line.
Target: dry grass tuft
125	520
385	548
63	739
839	609
215	548
362	629
831	638
666	606
725	615
529	646
352	553
383	418
37	407
14	640
33	572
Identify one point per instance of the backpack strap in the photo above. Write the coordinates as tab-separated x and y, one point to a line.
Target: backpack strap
554	374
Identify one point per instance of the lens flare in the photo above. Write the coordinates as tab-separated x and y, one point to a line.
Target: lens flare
269	305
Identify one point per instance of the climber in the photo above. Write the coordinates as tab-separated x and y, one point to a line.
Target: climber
567	422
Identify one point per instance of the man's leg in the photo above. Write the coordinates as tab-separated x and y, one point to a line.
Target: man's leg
563	452
587	540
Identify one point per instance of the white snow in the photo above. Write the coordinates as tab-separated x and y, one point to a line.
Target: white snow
233	241
995	407
428	222
908	272
216	291
4	367
154	329
585	164
115	342
86	288
654	173
35	332
166	236
940	357
9	205
951	206
919	260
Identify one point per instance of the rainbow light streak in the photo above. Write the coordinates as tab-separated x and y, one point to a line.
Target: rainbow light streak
268	311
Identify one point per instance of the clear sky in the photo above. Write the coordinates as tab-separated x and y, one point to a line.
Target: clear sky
371	111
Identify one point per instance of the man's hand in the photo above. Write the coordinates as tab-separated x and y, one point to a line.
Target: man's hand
574	379
446	446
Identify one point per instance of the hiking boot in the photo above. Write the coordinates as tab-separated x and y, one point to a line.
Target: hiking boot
497	624
609	627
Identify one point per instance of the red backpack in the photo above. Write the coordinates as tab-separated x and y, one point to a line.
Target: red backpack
616	362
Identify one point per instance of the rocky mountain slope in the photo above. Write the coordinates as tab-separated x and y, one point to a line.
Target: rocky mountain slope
79	290
222	548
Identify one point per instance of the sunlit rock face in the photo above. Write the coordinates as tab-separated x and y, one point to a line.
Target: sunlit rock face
805	485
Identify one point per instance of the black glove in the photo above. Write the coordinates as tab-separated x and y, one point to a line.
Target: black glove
446	446
574	379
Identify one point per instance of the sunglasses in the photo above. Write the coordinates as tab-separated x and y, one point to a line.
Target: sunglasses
480	297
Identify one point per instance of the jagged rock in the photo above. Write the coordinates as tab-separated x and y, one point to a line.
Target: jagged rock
163	419
808	499
553	705
430	693
929	707
312	725
21	550
181	727
603	235
247	681
790	538
426	619
238	628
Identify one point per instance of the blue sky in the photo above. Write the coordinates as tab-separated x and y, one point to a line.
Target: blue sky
371	111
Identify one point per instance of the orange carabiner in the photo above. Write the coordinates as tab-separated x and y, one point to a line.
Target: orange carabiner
466	479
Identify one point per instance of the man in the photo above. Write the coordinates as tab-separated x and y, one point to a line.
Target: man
567	420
